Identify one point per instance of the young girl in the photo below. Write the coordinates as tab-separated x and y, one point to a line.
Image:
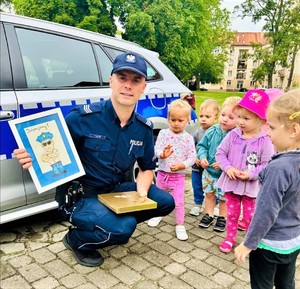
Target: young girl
206	150
273	238
175	150
208	115
242	155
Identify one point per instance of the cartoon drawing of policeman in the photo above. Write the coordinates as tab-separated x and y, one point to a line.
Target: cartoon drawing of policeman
51	155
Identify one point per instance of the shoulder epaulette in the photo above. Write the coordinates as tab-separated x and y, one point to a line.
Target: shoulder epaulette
91	108
144	120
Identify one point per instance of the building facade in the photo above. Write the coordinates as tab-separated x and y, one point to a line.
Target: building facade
238	68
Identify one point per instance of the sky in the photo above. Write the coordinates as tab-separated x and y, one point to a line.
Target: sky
239	24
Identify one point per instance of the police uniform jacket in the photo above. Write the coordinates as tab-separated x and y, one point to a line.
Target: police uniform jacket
106	149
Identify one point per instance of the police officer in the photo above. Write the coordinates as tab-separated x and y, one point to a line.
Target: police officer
109	137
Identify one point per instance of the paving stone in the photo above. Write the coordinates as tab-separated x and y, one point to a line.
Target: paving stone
58	268
20	261
162	247
33	272
6	271
15	282
119	252
102	279
223	279
168	282
199	282
136	262
221	264
180	257
12	248
7	237
46	283
126	275
153	273
42	256
73	280
146	284
175	269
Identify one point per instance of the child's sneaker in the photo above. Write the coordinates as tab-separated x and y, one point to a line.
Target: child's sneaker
206	221
181	233
195	211
226	246
220	225
154	221
241	225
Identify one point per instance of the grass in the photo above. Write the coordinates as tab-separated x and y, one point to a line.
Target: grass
219	96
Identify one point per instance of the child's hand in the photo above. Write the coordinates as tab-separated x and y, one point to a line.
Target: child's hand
177	167
166	152
204	163
241	252
198	162
232	173
243	176
216	166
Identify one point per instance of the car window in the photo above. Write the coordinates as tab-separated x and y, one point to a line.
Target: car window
105	65
5	71
152	73
52	61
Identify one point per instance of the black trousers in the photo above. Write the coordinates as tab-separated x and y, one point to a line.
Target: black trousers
268	269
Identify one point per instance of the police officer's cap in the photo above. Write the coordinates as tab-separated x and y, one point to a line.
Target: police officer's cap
130	61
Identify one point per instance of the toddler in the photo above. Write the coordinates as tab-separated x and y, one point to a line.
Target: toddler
175	151
273	238
242	155
206	150
208	115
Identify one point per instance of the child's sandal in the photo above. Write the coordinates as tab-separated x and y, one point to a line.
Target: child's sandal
226	246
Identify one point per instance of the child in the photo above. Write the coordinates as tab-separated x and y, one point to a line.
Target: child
208	115
206	150
242	155
273	238
175	151
272	93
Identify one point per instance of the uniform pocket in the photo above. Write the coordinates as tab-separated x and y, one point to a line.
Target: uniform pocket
97	145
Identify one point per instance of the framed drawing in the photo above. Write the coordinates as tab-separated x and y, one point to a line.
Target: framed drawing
45	136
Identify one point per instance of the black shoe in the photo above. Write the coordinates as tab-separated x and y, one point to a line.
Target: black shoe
220	225
84	258
206	221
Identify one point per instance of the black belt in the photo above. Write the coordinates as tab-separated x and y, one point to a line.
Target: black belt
92	192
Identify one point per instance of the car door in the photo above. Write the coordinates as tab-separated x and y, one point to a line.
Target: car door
11	183
51	70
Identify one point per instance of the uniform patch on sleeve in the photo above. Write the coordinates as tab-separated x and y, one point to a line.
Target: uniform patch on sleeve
91	108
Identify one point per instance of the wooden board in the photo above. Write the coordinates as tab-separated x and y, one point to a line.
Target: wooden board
125	202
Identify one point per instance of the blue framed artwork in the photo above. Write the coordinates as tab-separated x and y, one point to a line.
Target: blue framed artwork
45	136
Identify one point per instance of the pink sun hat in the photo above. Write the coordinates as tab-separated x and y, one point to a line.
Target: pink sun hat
273	93
256	101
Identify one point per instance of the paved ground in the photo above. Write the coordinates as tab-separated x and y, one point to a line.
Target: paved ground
33	256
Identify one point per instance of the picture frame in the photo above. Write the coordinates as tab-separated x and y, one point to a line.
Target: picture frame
45	136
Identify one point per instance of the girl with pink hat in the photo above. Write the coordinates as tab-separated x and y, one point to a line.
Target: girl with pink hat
242	155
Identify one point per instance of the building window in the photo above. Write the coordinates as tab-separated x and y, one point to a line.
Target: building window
229	73
252	83
230	62
228	82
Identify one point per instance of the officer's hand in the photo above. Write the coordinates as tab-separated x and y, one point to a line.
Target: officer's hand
23	157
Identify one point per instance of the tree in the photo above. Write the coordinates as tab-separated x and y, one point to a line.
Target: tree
184	33
282	25
93	15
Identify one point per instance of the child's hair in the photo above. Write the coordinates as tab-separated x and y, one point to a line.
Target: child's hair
231	101
210	103
182	104
286	107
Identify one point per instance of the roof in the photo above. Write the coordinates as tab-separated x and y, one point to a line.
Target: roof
246	38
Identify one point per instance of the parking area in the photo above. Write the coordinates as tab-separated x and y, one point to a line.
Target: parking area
33	256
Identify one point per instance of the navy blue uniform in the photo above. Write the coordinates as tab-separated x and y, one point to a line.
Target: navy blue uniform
107	151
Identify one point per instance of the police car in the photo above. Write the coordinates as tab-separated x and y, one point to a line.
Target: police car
47	65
